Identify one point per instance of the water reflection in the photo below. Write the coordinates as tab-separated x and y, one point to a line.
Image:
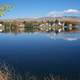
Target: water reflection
32	49
70	35
64	35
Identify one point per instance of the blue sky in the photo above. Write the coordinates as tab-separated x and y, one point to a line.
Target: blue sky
38	8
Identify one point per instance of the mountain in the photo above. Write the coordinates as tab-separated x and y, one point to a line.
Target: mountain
77	18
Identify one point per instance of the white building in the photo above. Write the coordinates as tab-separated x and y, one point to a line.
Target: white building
1	27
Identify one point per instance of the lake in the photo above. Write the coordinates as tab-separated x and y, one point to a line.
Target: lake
40	52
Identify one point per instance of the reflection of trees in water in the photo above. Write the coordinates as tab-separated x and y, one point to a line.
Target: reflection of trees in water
36	26
13	28
70	36
18	29
44	26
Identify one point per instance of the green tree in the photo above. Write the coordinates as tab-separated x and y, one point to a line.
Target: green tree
4	8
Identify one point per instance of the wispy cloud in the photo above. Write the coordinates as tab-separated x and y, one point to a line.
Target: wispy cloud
55	13
72	11
60	13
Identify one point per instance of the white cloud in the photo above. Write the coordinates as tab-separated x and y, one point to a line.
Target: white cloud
55	13
61	13
72	11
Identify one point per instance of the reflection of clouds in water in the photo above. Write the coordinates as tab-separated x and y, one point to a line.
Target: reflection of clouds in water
71	39
69	36
65	36
52	35
72	36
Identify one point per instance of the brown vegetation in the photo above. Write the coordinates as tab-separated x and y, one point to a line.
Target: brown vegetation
5	73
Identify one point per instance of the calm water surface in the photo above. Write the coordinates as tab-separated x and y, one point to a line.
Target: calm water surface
41	52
